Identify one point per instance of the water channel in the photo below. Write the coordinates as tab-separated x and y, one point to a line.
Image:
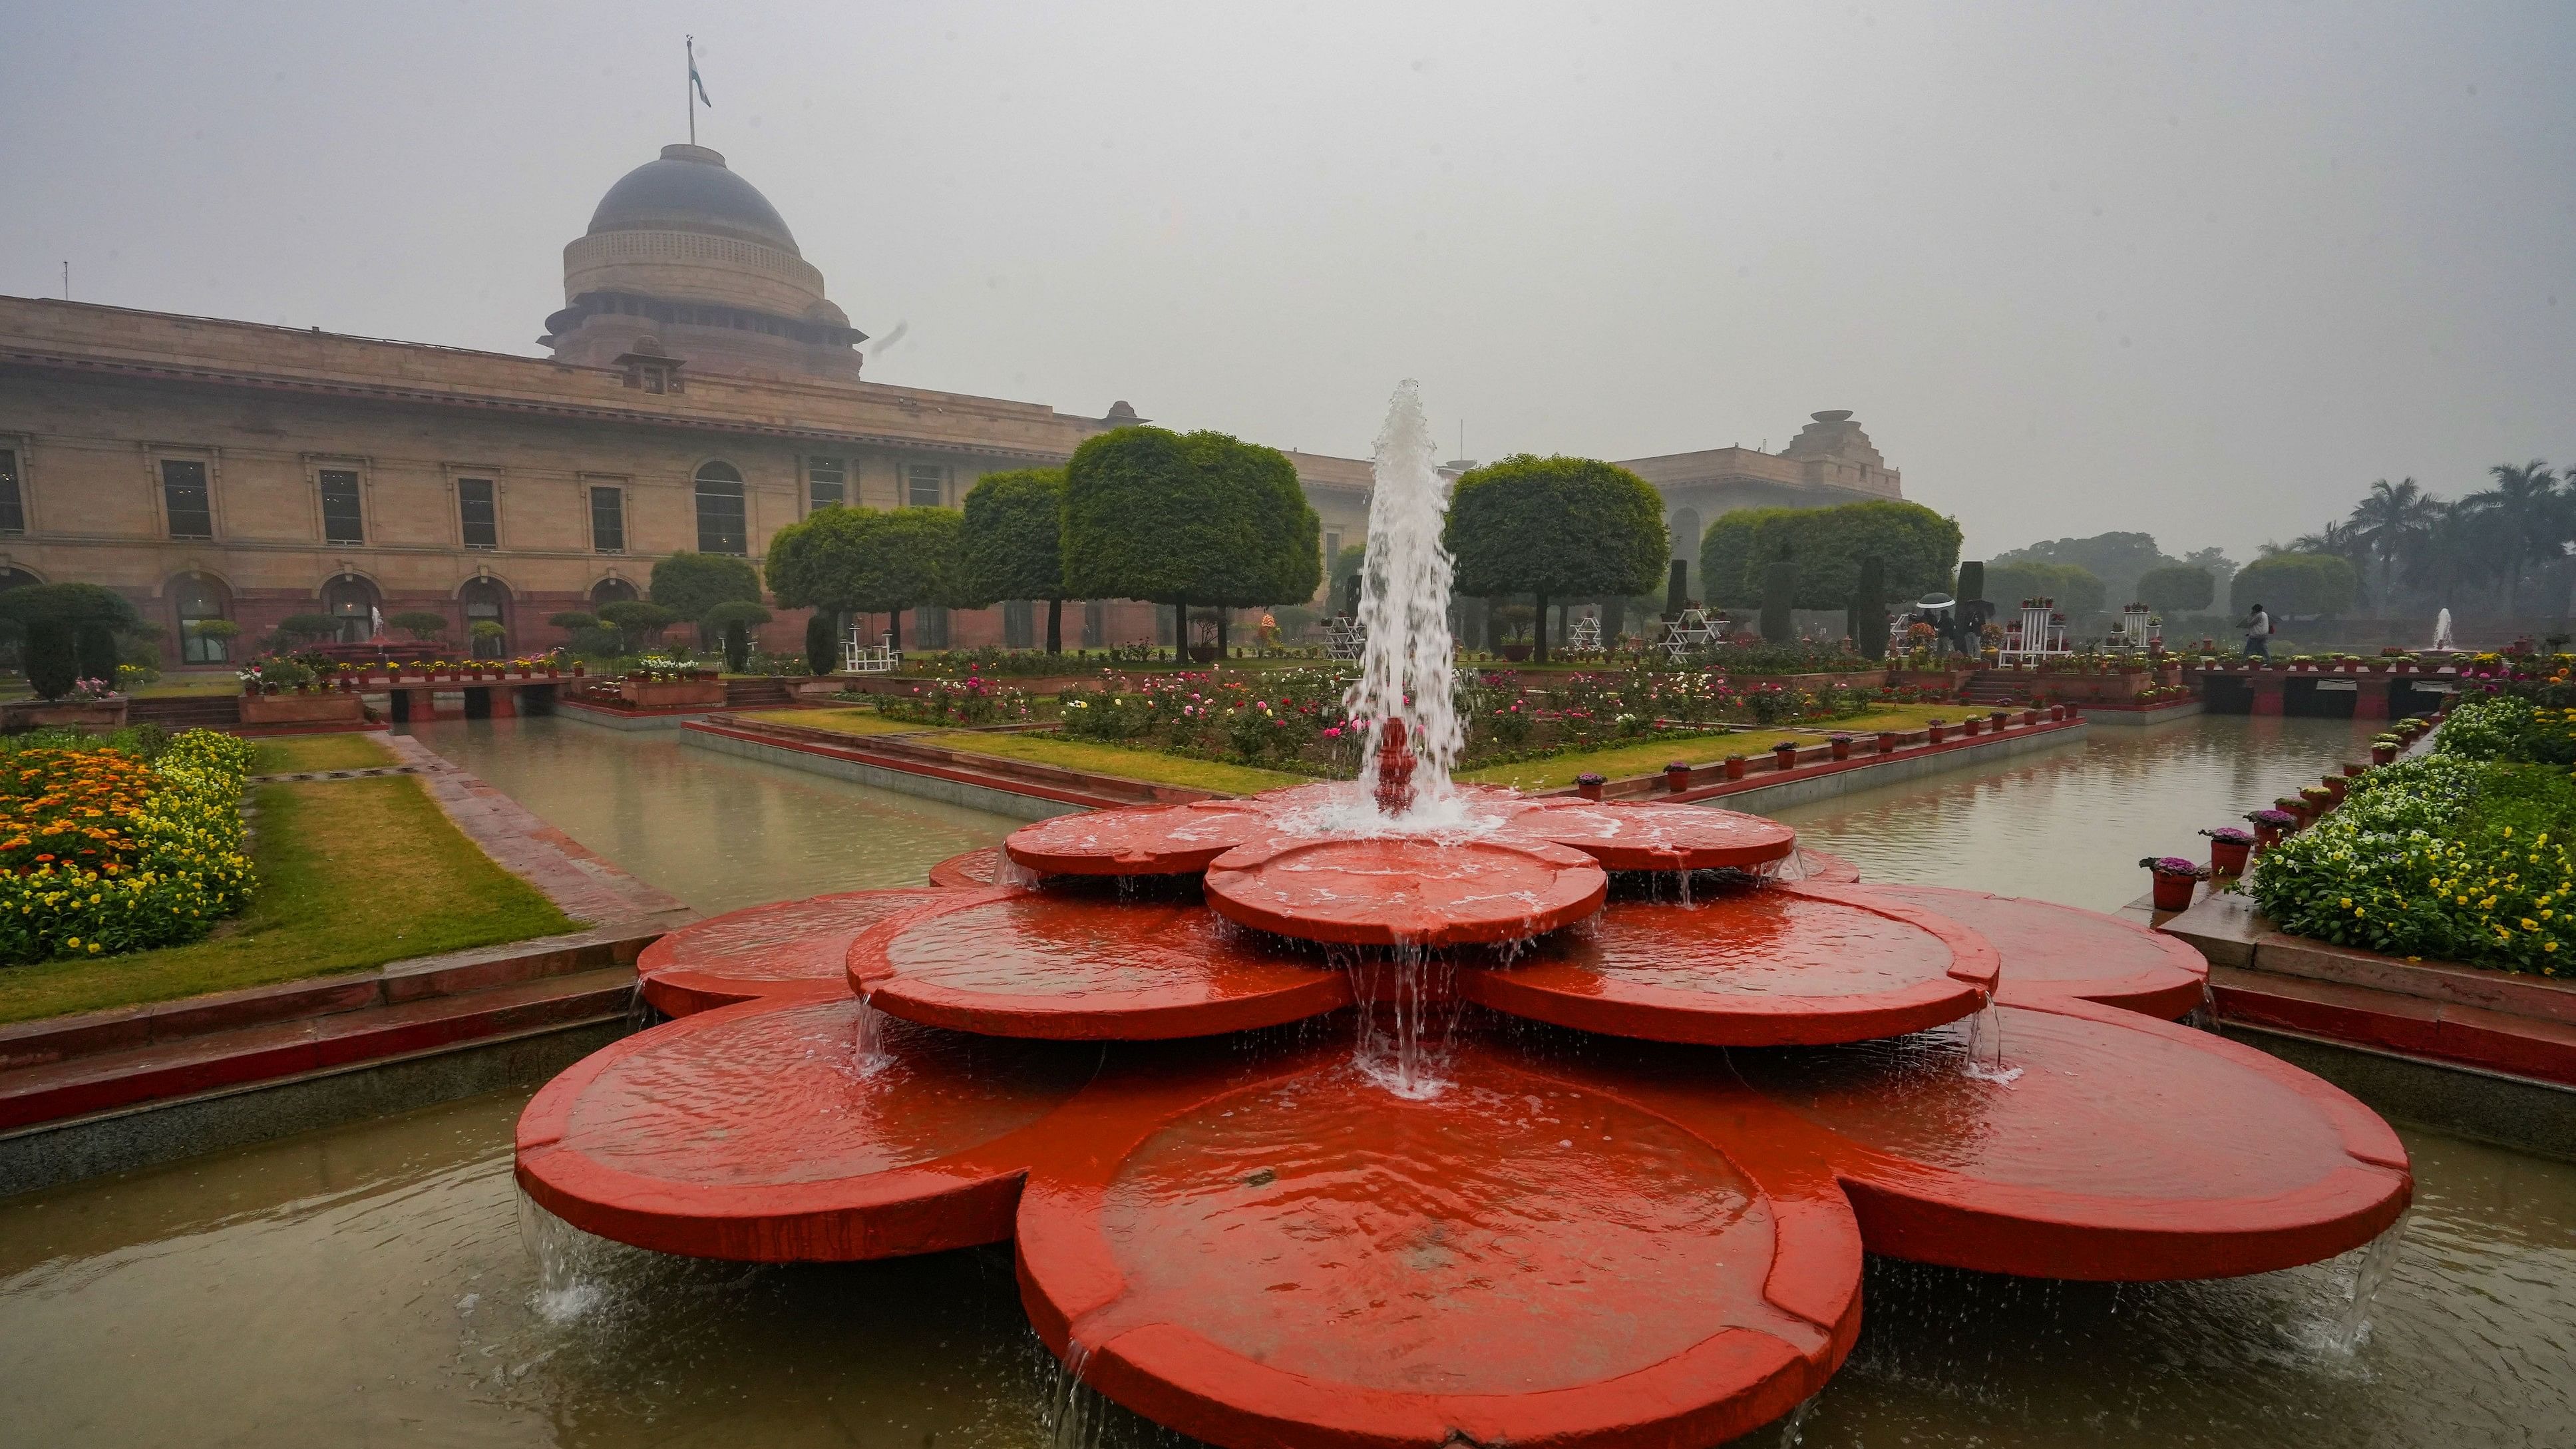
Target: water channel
376	1283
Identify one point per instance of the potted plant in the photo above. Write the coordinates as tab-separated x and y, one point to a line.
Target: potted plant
1784	755
2318	799
2270	826
2296	807
2383	749
2336	785
1735	765
2174	878
1936	730
1588	785
1888	740
1841	746
2229	850
1968	727
1677	776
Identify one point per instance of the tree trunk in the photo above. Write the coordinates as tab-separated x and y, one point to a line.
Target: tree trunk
894	629
1180	631
1055	626
1223	618
1538	628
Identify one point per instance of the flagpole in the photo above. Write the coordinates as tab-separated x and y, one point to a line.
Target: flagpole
687	80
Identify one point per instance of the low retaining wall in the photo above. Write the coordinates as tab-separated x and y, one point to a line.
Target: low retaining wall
2132	716
631	719
1868	772
941	787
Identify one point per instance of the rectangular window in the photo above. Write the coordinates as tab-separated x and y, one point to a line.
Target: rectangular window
608	520
927	485
476	514
13	504
1332	553
184	498
342	520
1019	623
827	484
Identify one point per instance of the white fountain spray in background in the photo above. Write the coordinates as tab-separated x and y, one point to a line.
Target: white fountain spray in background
2442	632
1408	659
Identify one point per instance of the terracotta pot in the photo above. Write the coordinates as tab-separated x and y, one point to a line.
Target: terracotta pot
1784	757
1970	726
579	670
2228	857
1205	654
1936	732
1841	747
1887	742
1735	767
1677	777
1516	653
2383	754
2336	785
2173	892
2266	836
2297	806
2029	717
1588	785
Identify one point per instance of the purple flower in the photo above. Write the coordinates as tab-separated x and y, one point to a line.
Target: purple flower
2174	865
2229	834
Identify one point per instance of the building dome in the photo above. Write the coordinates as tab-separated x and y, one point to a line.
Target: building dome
688	189
687	255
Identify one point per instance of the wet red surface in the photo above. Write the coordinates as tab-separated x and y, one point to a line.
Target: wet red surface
789	948
1803	864
1087	967
1405	890
972	868
2053	952
1775	966
1647	836
766	1131
1308	1259
1156	840
2091	1143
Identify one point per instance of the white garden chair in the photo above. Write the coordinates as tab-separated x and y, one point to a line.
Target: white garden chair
878	658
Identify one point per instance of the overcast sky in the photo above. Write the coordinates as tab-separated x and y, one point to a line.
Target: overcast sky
2202	271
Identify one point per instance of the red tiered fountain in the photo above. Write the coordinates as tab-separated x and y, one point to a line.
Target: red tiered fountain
1635	1217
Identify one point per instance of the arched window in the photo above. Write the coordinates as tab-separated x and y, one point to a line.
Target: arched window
721	524
1686	534
199	601
611	591
485	601
354	602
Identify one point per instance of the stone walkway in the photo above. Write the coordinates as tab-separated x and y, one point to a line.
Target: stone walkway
581	885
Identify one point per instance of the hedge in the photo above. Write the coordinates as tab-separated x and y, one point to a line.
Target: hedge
105	852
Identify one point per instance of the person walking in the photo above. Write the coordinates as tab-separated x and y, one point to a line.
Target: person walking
2258	634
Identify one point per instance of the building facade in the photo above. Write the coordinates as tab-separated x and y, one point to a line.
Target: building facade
700	393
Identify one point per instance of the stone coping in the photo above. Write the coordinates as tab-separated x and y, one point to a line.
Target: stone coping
901	753
581	884
1763	771
2225	928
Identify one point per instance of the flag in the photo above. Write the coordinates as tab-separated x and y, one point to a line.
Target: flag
693	80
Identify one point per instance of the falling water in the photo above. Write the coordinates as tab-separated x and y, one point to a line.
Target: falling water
568	1283
1408	1013
1985	1057
2442	631
1793	1429
868	1054
1406	662
1075	1412
2378	1261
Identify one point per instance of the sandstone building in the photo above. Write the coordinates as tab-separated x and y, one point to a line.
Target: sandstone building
701	391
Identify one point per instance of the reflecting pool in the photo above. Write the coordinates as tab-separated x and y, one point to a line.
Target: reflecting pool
716	831
2070	824
370	1284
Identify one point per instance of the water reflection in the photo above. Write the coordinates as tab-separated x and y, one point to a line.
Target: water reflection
716	831
2070	824
370	1282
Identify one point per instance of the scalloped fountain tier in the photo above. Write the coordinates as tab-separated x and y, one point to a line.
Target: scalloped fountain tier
1271	1241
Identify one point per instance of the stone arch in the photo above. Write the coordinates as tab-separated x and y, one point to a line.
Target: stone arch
1686	528
195	597
613	590
354	600
485	599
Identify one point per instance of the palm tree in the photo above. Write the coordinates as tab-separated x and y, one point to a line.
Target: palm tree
2389	518
2340	539
2530	518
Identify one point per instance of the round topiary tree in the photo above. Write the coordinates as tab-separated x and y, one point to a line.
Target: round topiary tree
636	621
573	621
1555	527
2181	589
311	628
64	627
864	561
1183	519
690	584
422	625
1012	546
733	620
2310	585
1916	549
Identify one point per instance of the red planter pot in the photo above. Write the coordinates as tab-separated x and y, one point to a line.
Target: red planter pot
2228	857
2336	785
1998	719
2172	892
1784	757
1677	777
2029	717
1937	732
1841	747
1887	742
1735	767
1588	785
1968	727
2266	836
2383	754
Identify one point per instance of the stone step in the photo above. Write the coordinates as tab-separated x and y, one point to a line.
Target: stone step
2416	1026
108	1080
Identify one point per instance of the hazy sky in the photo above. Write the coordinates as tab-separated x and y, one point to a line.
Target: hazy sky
2203	271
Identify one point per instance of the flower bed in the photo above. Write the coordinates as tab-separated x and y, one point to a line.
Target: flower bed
108	851
2458	856
971	700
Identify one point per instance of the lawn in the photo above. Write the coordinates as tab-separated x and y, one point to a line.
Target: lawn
295	754
352	874
1103	759
1646	757
861	720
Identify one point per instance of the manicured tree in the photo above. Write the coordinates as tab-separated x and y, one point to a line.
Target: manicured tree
1013	543
305	628
1915	546
1203	518
689	584
2178	590
868	562
822	643
636	621
1557	526
2301	584
574	621
2075	589
1867	619
1972	582
733	620
1779	597
56	620
421	624
486	634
